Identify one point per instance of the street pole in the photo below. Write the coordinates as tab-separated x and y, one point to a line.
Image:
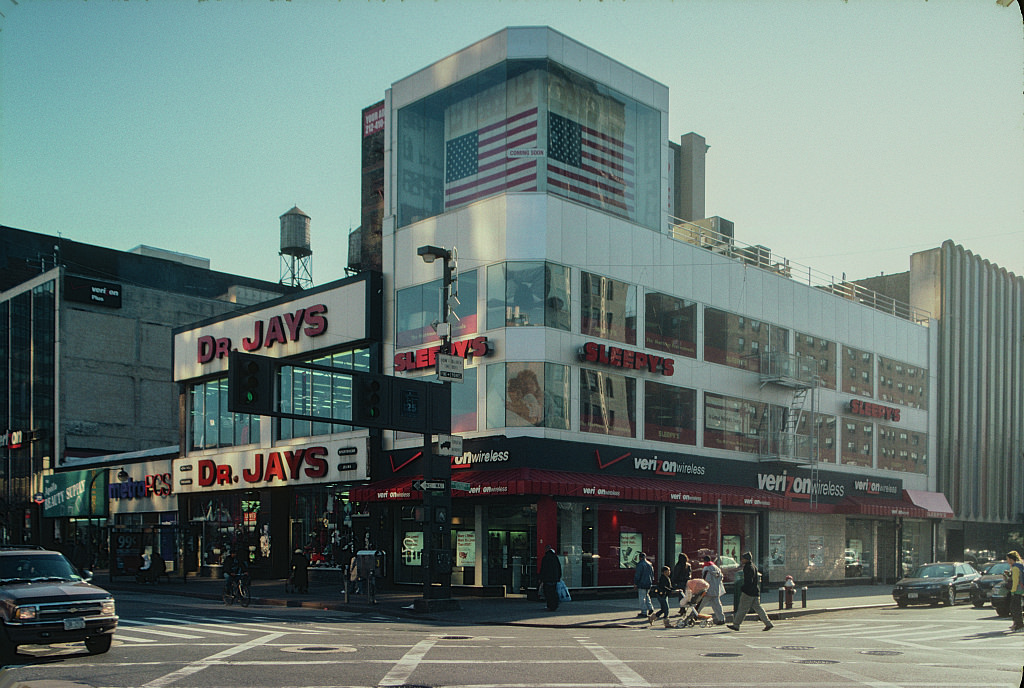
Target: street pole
437	565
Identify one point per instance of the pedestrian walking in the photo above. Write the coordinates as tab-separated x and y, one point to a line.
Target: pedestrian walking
550	574
716	588
750	595
643	579
680	574
1016	589
662	590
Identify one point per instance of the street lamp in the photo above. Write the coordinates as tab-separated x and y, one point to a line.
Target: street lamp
437	531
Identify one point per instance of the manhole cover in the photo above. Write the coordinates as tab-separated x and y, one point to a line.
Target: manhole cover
881	653
318	649
456	637
794	647
720	654
816	661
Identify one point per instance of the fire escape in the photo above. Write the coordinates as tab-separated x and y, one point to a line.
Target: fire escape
780	440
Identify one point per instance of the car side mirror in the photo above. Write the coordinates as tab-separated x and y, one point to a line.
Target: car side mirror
87	575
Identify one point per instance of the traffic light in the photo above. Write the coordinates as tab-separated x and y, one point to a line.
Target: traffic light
251	384
371	400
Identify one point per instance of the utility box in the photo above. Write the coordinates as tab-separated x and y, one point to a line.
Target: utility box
370	562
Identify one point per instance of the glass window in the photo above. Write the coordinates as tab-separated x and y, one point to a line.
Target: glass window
602	314
821	353
212	424
736	341
528	294
858	374
902	384
607	403
894	450
319	393
670	324
464	398
737	424
596	147
521	394
826	425
857	442
670	413
416	308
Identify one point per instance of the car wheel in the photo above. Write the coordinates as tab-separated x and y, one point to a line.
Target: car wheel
8	650
950	596
98	644
978	604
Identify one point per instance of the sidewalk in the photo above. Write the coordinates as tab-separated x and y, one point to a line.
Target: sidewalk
518	610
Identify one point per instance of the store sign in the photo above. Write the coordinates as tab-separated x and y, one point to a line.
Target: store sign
276	467
373	120
864	408
592	352
89	291
158	485
75	493
427	358
13	439
305	324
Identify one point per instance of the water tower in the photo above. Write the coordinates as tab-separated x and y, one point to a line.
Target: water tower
296	255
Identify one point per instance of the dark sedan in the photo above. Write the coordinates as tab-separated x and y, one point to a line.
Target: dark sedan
939	582
991	575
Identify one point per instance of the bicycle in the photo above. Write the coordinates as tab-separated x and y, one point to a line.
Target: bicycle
238	589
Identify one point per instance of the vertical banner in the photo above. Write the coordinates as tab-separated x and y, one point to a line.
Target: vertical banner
75	493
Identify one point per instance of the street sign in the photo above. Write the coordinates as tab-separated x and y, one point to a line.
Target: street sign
449	445
458	485
429	485
450	368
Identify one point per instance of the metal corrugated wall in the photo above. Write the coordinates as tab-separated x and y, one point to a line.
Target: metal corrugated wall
981	388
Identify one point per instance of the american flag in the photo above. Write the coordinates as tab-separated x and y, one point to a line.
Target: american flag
592	167
477	164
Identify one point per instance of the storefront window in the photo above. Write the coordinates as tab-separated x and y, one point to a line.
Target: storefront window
623	532
917	544
737	424
858	372
213	425
902	450
822	354
737	341
670	413
599	148
901	383
319	393
858	441
607	308
860	548
607	403
670	324
528	294
223	524
700	533
416	308
327	526
521	394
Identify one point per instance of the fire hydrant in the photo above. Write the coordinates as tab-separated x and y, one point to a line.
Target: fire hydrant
790	587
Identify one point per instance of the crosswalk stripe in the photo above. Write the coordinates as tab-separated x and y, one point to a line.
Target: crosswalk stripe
143	627
197	625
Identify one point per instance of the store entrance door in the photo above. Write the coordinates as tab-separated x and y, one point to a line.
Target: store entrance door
510	559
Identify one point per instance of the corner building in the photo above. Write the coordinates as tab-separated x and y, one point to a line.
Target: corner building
635	380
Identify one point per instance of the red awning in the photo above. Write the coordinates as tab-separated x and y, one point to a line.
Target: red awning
879	506
527	481
935	503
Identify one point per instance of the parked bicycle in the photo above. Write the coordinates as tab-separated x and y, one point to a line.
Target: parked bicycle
237	590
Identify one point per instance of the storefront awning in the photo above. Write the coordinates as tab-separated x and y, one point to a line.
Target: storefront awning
527	481
935	503
879	506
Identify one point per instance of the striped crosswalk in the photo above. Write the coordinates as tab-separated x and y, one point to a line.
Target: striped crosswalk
150	629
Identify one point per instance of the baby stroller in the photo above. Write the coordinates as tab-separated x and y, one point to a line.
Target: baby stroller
693	597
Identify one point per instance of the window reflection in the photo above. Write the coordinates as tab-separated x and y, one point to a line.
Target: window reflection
820	354
416	308
901	383
670	413
670	324
858	368
857	442
607	403
738	424
608	308
528	394
737	341
528	294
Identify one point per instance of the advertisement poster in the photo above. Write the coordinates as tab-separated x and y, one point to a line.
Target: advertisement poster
815	550
630	546
776	550
731	547
412	548
465	548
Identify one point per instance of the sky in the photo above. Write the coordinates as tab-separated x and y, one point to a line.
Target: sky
844	136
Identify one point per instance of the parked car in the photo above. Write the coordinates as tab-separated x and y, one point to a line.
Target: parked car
991	575
1000	597
44	599
939	582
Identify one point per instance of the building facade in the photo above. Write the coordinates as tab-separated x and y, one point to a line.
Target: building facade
633	381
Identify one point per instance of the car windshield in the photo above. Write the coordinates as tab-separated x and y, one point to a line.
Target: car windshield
932	571
36	567
996	568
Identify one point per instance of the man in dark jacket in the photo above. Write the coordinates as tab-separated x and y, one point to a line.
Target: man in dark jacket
643	581
550	574
750	595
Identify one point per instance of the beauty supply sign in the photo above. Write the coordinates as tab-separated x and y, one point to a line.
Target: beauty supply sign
306	463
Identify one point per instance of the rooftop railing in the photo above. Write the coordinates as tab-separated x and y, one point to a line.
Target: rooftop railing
762	257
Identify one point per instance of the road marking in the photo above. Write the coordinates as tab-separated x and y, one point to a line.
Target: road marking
616	666
183	622
144	627
201	664
401	671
